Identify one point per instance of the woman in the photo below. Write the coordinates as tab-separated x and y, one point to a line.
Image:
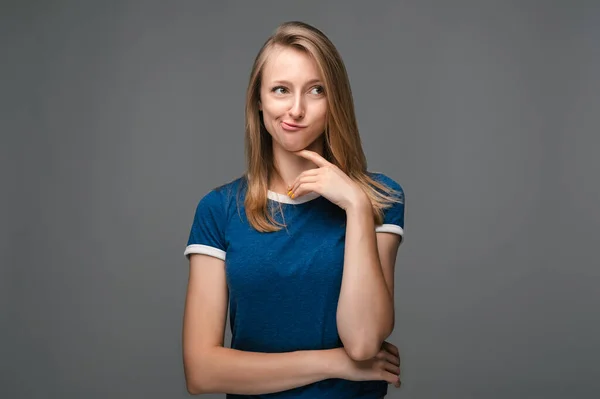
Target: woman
302	246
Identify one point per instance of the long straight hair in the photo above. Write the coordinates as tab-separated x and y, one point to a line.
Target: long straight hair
342	145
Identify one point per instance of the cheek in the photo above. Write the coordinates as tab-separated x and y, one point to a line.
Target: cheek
272	109
320	113
270	115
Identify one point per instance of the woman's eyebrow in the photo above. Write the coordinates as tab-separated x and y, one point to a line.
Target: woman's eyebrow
285	82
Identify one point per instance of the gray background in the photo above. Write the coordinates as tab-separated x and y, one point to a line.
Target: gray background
117	116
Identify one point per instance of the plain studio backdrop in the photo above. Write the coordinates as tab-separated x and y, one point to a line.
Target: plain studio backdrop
118	116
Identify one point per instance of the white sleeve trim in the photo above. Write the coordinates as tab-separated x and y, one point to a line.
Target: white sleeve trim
390	228
205	250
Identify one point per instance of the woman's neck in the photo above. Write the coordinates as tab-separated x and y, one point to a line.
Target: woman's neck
289	166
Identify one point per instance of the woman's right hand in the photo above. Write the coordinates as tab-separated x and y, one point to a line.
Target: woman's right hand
385	366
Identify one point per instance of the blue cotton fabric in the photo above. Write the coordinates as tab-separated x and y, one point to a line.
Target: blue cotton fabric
284	286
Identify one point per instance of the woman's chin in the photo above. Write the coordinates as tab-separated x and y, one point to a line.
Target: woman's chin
294	146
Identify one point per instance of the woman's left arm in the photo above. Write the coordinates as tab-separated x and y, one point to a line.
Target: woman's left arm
365	313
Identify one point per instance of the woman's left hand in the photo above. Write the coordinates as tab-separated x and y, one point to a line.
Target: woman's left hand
329	181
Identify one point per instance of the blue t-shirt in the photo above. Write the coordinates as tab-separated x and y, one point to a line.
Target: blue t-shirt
284	286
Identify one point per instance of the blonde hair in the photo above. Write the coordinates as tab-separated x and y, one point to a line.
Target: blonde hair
342	145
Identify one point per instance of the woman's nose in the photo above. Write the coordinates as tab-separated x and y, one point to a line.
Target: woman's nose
297	109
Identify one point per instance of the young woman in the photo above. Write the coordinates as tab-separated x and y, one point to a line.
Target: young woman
302	247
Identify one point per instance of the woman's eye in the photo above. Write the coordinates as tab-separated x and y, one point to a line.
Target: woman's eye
318	90
279	90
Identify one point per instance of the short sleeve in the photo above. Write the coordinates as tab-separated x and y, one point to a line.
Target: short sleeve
207	232
393	217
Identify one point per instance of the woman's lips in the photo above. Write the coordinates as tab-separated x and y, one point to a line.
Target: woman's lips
292	127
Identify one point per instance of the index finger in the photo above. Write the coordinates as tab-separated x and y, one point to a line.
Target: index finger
313	156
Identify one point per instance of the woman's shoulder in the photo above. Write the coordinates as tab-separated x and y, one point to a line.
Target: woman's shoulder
386	180
232	187
223	195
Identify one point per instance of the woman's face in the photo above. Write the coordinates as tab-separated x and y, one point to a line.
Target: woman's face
292	99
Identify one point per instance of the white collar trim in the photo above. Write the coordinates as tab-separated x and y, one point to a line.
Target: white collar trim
287	200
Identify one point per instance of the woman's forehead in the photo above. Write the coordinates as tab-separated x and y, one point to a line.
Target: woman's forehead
288	63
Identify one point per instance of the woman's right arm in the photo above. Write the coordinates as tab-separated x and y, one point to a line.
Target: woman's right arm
211	368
